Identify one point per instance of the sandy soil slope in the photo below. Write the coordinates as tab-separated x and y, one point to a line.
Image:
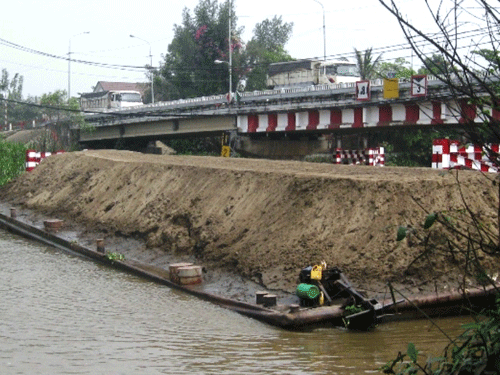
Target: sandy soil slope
264	219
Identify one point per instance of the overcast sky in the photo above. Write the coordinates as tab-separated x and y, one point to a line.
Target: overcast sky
48	26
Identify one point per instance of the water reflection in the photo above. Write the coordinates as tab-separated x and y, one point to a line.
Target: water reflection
61	314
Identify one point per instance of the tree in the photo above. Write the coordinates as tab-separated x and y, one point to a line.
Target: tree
267	46
456	56
61	117
198	56
436	65
190	68
367	64
399	68
12	89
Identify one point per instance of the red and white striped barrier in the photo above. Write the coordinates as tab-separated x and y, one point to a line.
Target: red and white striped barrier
33	158
370	156
446	154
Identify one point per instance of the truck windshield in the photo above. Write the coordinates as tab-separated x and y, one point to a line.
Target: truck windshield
131	97
342	70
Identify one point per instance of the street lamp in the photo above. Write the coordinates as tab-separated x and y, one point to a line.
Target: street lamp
230	75
230	63
324	32
151	62
69	62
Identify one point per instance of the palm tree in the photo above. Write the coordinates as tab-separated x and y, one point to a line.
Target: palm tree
366	63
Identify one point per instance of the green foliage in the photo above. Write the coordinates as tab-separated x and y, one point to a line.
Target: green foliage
115	256
401	233
411	147
353	309
190	68
63	116
412	352
492	57
430	220
11	89
436	65
12	161
319	158
470	78
476	351
399	67
210	146
266	47
367	63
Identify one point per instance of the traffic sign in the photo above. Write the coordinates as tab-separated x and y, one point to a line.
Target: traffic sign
391	88
226	152
419	85
363	90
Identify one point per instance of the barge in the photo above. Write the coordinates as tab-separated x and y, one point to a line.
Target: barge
293	316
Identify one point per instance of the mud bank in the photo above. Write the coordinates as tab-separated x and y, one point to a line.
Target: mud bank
264	220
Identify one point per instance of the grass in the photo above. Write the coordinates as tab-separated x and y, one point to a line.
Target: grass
12	161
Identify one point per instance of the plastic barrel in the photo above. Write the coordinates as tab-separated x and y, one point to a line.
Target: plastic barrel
307	291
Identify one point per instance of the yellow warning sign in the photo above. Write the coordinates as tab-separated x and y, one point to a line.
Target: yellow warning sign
391	88
226	151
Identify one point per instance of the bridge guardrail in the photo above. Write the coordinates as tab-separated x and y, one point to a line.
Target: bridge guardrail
222	97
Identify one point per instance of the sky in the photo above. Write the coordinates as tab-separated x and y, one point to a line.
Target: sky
99	31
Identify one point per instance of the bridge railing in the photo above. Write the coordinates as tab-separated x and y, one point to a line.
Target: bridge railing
221	98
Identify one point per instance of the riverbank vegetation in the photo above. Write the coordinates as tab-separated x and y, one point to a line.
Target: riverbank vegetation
469	68
12	160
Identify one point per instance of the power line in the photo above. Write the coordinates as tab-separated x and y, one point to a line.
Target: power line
46	54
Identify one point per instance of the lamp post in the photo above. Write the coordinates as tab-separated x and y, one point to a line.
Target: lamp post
324	30
230	75
69	62
151	62
230	53
230	62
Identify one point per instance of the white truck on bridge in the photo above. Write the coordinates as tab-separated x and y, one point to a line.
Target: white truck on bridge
311	72
106	100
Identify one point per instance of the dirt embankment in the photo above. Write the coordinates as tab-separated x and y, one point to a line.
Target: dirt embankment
263	219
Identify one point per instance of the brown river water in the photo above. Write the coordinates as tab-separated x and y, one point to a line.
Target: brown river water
63	314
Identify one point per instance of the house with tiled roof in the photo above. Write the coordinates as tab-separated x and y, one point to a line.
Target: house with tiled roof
120	86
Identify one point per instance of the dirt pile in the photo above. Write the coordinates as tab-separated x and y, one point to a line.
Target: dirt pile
263	219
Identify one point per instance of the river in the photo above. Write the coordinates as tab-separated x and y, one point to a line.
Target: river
63	314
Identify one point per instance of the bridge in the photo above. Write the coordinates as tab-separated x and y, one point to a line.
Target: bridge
263	121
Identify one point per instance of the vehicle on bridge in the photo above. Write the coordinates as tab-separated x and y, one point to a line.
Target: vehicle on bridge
104	100
311	72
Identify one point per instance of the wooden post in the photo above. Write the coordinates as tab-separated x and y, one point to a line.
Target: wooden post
259	297
100	245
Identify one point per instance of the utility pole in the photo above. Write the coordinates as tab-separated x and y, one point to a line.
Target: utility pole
151	69
324	30
69	62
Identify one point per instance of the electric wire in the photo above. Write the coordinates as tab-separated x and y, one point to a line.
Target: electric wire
381	50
